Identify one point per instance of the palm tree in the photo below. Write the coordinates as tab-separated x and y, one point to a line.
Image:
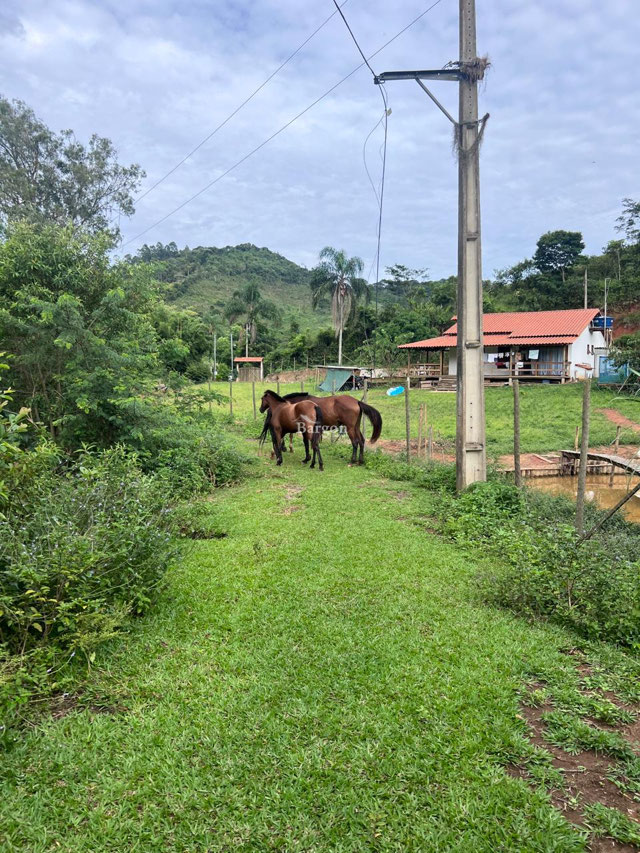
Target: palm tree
339	276
247	304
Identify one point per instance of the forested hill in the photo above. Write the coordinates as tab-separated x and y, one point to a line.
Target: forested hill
204	278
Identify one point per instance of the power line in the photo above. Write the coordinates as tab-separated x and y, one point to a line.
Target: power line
281	129
239	107
385	118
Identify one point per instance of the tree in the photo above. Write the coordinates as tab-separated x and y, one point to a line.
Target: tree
248	305
410	284
49	177
629	220
558	251
339	276
79	330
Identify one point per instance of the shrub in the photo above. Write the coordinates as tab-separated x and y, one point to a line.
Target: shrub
82	546
594	588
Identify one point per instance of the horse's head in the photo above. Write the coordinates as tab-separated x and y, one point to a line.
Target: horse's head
264	402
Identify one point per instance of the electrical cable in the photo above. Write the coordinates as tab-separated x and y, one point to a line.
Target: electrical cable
280	130
238	108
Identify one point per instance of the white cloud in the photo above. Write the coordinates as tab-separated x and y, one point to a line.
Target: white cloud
156	77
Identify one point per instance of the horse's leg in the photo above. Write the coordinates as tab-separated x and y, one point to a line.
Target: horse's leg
316	449
360	437
353	435
290	442
277	444
307	455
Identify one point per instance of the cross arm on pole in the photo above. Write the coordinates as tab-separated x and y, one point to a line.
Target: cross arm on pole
440	74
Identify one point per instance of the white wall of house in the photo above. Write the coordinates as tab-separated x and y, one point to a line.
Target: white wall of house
581	351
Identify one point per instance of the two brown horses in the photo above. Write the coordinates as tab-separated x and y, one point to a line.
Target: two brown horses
342	410
284	417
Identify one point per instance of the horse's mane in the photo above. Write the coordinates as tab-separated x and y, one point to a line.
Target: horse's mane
276	396
295	394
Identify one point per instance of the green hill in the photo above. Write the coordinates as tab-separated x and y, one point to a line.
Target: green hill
205	277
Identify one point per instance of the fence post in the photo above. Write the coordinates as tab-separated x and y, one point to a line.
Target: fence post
516	432
575	440
231	397
584	450
420	417
278	386
616	446
407	419
430	443
253	395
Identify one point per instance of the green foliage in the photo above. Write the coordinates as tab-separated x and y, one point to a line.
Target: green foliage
604	821
48	177
558	251
594	588
79	331
83	544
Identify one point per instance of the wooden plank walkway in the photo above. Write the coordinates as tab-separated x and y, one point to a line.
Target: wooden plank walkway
628	465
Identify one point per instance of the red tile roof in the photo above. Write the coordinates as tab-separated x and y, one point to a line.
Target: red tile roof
248	358
525	328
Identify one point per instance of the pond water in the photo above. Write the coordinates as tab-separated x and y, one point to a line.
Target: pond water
604	495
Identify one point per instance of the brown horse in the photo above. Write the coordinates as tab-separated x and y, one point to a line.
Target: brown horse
286	417
343	410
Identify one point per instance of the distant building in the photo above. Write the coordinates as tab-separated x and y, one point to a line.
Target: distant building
552	346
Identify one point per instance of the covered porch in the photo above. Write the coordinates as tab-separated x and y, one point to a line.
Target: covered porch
430	366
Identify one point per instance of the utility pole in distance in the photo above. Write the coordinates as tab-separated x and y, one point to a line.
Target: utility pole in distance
471	460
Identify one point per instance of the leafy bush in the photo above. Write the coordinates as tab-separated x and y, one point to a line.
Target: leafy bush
81	548
594	588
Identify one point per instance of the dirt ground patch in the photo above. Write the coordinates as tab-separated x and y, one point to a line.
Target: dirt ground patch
290	494
586	773
441	452
619	419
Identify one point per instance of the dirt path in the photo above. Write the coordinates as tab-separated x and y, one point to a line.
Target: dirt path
620	420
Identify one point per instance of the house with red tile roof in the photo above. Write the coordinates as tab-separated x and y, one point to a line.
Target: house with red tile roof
553	346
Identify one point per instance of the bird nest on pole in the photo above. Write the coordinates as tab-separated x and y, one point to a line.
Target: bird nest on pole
474	70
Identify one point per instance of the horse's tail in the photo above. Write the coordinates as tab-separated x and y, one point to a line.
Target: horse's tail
319	422
376	420
266	429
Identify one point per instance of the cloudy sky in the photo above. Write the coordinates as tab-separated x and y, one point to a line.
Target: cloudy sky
561	148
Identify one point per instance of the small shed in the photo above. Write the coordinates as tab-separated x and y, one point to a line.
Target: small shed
250	368
341	378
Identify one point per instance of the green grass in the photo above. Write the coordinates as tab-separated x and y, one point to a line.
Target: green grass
549	414
322	679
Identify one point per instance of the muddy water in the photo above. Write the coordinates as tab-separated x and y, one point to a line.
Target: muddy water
604	495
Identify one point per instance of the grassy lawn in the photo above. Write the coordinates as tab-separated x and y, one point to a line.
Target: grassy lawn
549	414
322	678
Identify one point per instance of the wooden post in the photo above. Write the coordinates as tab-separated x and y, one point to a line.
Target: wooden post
430	443
616	446
420	416
407	419
253	395
278	386
516	432
584	450
575	440
231	397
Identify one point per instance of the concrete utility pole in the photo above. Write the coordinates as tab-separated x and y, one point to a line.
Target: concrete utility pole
471	460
